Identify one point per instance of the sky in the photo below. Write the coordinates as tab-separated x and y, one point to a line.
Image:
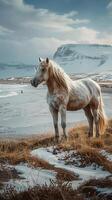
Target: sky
33	28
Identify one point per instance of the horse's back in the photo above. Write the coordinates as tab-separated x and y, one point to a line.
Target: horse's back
88	84
83	92
93	90
91	84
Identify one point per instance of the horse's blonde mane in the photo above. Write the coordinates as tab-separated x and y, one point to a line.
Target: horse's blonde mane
61	78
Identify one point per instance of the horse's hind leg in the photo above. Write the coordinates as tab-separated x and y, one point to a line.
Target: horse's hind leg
89	116
96	119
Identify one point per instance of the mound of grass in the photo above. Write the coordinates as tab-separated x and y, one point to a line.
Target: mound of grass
65	175
7	173
61	191
93	189
55	191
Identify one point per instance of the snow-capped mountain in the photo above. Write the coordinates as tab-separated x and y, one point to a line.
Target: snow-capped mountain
84	58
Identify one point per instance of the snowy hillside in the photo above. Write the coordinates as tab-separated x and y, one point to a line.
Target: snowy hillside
85	58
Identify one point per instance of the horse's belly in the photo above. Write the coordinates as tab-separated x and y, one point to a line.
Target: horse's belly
75	105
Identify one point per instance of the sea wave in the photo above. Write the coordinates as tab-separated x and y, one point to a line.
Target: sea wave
19	85
12	78
9	95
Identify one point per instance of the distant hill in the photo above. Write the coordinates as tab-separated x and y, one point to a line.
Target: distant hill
84	58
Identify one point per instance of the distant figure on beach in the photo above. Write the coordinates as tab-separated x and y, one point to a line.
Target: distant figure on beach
21	91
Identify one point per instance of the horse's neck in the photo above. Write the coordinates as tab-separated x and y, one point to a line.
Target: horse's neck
51	86
56	84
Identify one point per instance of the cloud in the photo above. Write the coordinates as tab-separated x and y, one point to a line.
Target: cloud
82	34
27	32
5	31
109	7
71	14
20	17
105	38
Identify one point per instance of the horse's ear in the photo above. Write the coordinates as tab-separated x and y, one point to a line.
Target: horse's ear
47	60
40	59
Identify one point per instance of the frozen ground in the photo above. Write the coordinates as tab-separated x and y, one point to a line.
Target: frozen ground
29	176
106	154
85	173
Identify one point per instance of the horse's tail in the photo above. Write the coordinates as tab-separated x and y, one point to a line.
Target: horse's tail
102	116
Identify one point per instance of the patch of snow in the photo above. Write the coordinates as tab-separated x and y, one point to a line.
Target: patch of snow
31	177
85	173
12	78
106	154
104	190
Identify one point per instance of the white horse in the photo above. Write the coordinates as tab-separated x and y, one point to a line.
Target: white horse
66	94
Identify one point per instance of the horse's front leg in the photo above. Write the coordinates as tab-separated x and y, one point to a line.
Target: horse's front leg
63	120
54	113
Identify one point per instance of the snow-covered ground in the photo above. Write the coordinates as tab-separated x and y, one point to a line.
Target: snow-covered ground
30	176
100	77
85	173
106	154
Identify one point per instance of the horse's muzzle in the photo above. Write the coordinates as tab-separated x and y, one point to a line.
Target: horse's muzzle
34	83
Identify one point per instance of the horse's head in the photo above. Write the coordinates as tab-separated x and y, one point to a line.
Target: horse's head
41	72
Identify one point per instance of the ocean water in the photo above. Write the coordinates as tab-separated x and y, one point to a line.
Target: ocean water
27	113
16	71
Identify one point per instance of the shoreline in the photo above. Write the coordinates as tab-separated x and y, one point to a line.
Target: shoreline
106	86
20	80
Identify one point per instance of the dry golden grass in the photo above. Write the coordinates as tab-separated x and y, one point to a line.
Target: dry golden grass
7	173
88	148
106	182
78	139
61	191
90	189
55	191
65	175
93	156
16	151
